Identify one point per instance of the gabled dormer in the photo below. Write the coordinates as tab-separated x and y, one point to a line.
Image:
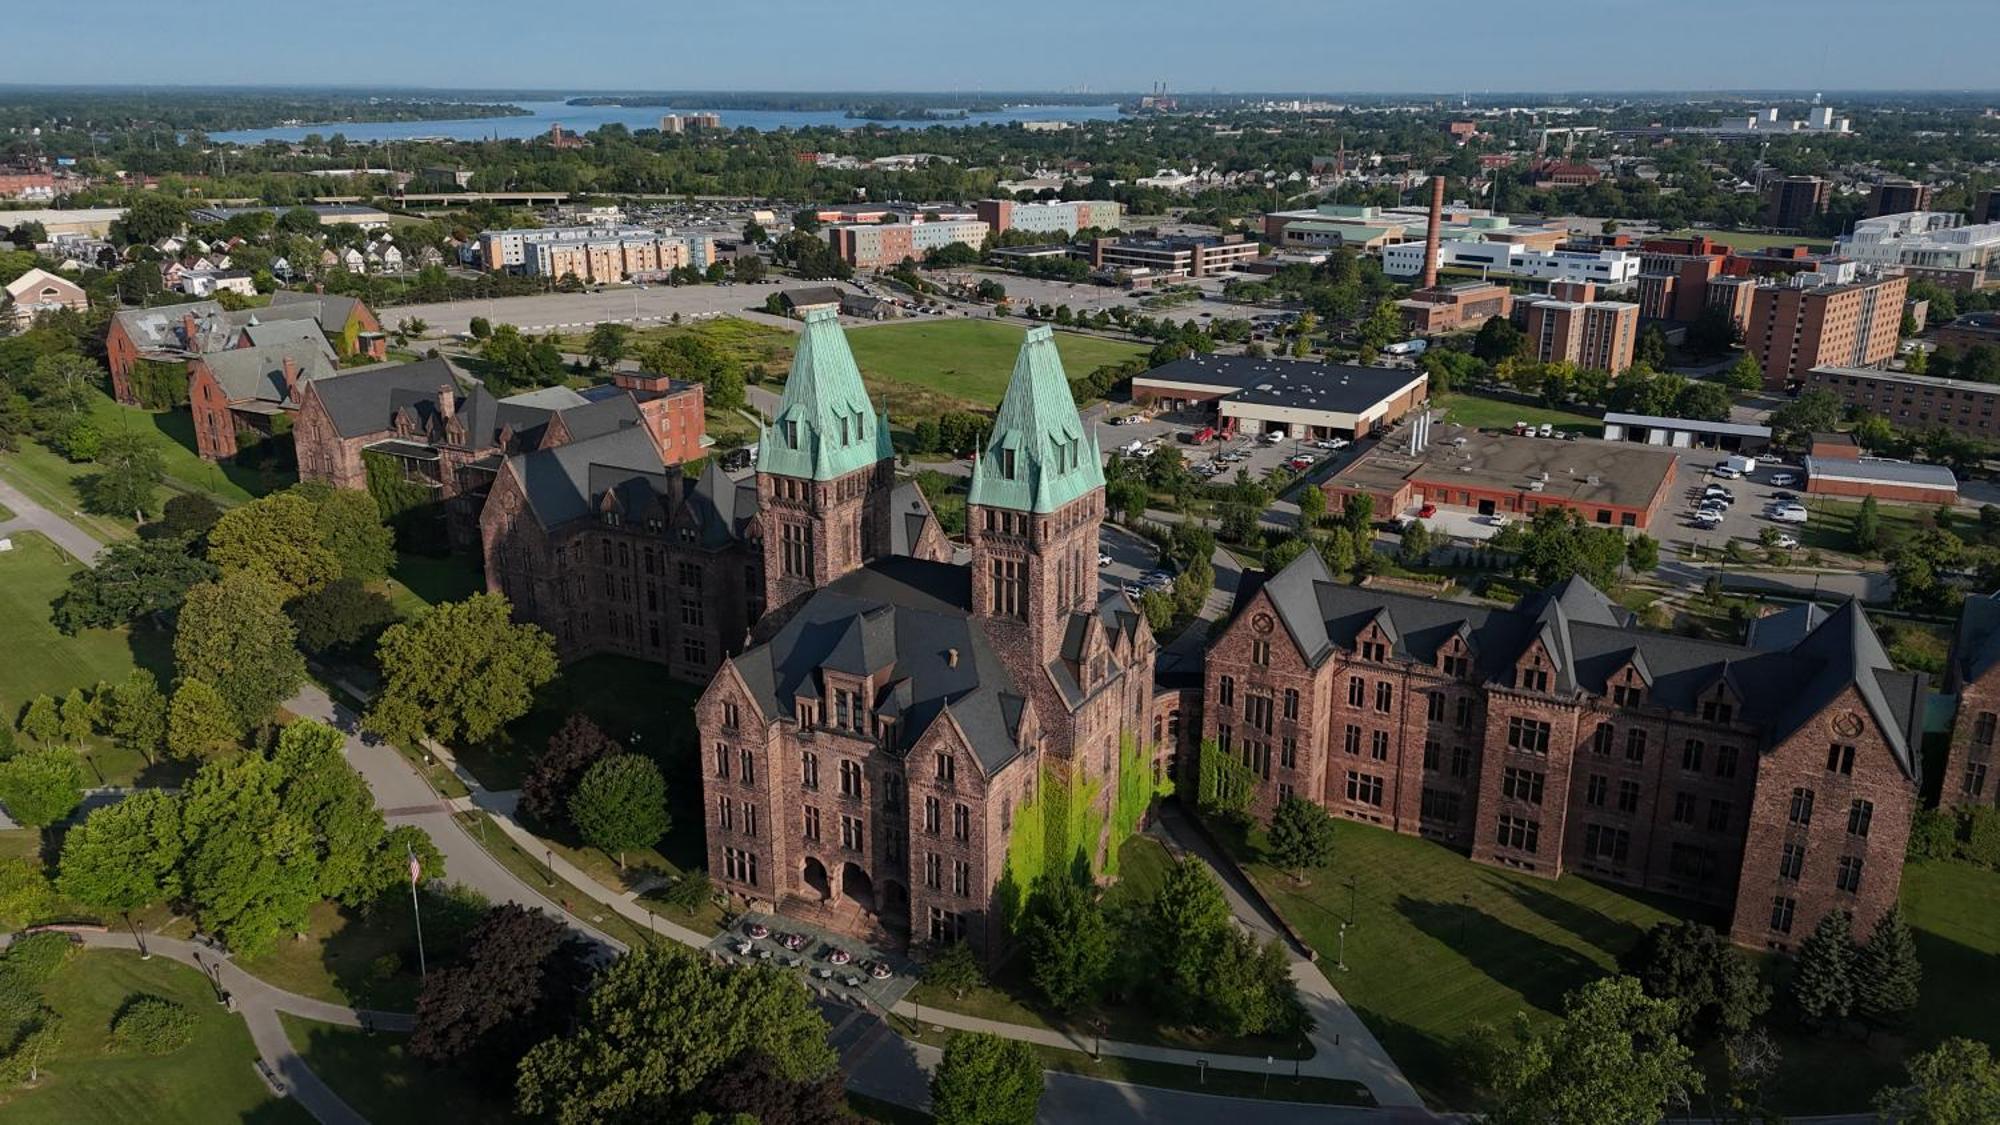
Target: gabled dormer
1718	701
1632	684
1378	640
1457	656
1537	668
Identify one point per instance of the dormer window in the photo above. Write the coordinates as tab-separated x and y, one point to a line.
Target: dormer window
1455	665
1627	695
792	434
1534	677
1375	651
844	439
1007	463
612	519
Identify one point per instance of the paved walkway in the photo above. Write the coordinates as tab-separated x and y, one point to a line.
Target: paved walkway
259	1004
30	516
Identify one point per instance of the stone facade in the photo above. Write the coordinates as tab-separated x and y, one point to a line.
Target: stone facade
1972	766
1567	750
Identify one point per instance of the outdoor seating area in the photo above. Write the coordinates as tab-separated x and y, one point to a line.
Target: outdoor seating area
835	966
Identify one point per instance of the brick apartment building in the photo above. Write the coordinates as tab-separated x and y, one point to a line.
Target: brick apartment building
865	759
424	424
1971	767
1794	202
1054	216
1584	331
1897	197
1679	277
1913	402
1776	779
1824	318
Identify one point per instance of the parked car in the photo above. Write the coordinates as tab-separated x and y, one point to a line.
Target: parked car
1328	443
1427	511
1727	472
1785	540
1708	517
1498	519
1789	512
1784	479
1103	558
1300	463
1547	430
1784	496
1273	437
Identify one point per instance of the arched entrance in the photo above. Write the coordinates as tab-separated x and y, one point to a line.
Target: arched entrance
857	887
816	880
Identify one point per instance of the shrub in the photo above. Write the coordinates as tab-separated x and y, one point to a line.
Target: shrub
152	1025
36	957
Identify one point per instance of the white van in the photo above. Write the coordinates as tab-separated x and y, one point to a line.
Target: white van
1789	512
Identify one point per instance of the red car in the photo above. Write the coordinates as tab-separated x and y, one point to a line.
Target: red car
1204	435
1427	511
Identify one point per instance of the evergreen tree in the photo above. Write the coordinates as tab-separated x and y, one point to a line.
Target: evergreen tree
1068	941
1867	526
1823	978
986	1080
1302	835
1886	972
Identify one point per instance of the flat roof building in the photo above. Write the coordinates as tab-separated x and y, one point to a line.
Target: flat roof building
1303	399
1914	402
1173	256
1934	245
1055	216
1609	484
1884	480
1600	335
1685	433
1604	268
1968	330
1829	316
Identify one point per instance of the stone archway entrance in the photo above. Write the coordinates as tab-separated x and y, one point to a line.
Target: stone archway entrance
857	887
816	880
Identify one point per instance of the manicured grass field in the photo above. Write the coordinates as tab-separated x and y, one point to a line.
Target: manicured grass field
1439	945
40	659
375	1075
1829	524
364	960
419	581
1754	240
966	360
1481	413
211	1079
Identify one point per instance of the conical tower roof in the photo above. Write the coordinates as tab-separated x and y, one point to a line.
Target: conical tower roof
1041	456
825	426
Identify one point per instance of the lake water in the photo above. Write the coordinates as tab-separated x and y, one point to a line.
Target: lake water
584	118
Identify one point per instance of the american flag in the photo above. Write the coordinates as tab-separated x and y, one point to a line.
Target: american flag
416	869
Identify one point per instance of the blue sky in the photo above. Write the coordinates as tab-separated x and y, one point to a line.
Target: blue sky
1447	46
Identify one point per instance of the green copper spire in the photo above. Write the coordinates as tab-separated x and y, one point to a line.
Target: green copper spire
1041	456
825	427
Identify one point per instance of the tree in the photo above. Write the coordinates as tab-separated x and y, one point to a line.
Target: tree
129	471
77	717
621	804
1745	376
233	634
1714	332
1812	412
607	343
1186	922
186	516
152	216
25	894
350	527
125	856
200	722
552	777
40	787
1498	339
1642	553
1612	1057
1312	508
42	721
1357	513
1716	991
278	539
1068	941
132	579
342	615
656	1024
480	327
250	869
1556	543
1867	528
955	968
516	984
1651	352
1886	973
1823	979
986	1080
138	714
751	1089
690	892
1955	1083
461	668
318	789
1302	835
1707	401
1415	548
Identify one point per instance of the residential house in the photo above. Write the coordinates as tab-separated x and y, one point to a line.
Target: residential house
38	291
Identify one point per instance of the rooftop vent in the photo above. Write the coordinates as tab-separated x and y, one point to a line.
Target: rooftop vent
951	658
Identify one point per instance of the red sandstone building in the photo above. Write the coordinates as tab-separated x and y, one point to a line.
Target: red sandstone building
867	761
1776	778
1972	767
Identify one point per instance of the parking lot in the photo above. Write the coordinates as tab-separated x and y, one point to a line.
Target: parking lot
1235	457
1083	295
625	304
1745	519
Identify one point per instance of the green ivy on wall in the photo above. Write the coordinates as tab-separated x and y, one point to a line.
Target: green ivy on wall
1225	782
1064	823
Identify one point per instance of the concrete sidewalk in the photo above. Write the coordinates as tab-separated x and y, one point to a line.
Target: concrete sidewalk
30	516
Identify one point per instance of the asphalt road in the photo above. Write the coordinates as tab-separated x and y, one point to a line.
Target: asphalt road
653	304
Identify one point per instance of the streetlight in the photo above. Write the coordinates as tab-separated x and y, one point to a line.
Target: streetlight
1342	958
549	856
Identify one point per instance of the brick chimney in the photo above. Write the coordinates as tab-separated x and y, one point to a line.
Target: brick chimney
447	404
1431	239
291	377
189	332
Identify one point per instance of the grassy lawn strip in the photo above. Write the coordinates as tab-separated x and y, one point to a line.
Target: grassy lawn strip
1829	524
1278	1085
374	1075
531	870
1749	240
365	960
50	481
211	1079
966	359
1481	413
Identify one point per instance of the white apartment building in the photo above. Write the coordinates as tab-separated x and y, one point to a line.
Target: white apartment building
1607	269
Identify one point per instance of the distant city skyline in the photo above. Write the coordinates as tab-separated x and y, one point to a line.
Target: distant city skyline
1450	47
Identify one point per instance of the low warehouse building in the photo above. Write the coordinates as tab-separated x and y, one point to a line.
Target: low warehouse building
1253	395
1686	433
1609	484
1884	480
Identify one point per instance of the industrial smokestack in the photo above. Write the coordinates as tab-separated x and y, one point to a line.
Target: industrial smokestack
1431	239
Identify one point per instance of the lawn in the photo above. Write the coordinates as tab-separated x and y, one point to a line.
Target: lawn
1440	945
362	960
1829	524
375	1076
1753	240
42	659
967	361
211	1079
1482	413
419	581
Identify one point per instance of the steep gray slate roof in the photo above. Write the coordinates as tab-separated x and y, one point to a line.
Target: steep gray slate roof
595	419
364	402
566	482
1976	646
903	615
909	514
1591	639
722	508
332	310
258	374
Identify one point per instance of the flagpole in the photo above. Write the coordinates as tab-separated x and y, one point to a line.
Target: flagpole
423	970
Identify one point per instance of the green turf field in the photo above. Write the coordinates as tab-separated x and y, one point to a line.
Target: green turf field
969	360
31	575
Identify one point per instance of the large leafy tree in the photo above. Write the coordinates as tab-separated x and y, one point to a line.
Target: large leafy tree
516	984
656	1025
251	869
1068	941
1186	925
1886	972
1302	835
42	786
131	580
200	723
461	669
750	1089
343	614
551	778
955	968
986	1080
621	804
126	855
137	714
1718	991
321	791
278	539
1612	1057
129	471
1823	979
351	529
233	634
1955	1083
